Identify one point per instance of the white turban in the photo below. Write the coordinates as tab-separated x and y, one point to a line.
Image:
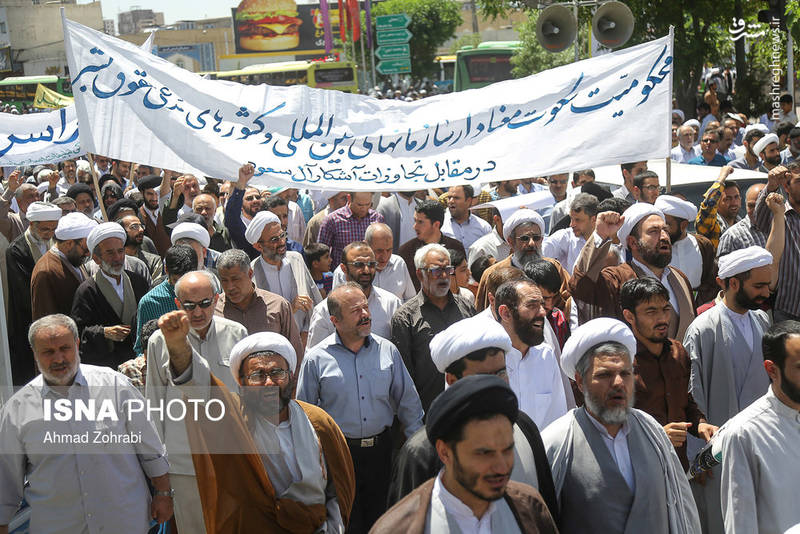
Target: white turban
42	187
679	113
82	165
762	143
756	126
188	230
104	231
675	207
521	217
742	260
256	226
44	174
74	225
43	211
633	215
261	342
692	122
465	336
593	333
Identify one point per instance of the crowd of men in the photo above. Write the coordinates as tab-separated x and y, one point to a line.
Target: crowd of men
397	362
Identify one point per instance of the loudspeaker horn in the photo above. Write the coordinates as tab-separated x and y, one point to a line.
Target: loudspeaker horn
556	28
612	24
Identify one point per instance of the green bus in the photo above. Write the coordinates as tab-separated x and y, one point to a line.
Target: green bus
338	75
487	63
20	91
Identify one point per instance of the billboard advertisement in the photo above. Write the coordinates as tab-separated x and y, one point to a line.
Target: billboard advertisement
261	26
198	57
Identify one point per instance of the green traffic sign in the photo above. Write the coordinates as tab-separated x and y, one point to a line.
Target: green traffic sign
393	51
392	22
393	37
394	66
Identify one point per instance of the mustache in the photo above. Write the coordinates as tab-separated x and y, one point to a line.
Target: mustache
366	321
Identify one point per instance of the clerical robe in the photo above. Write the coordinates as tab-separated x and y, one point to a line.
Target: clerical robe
300	283
20	261
727	376
53	285
760	468
594	495
93	312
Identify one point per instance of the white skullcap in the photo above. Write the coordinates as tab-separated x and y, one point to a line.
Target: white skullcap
591	334
82	165
674	206
465	336
104	231
261	342
742	260
733	116
42	187
43	211
756	126
521	217
189	230
679	113
762	143
692	122
256	226
633	215
74	225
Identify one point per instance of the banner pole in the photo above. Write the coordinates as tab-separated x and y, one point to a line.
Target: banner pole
669	111
97	187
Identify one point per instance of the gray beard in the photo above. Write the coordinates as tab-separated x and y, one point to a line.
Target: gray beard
608	416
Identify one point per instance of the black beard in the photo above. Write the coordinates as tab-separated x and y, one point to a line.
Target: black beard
744	301
652	256
774	160
526	332
789	388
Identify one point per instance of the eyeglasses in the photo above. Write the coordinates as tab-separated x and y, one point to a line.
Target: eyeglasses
249	199
259	377
530	237
653	188
136	226
278	238
188	305
437	272
362	264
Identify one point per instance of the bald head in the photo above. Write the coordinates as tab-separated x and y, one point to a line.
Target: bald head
751	196
380	239
193	282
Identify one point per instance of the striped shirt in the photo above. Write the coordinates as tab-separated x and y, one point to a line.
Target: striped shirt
787	298
743	234
340	228
154	304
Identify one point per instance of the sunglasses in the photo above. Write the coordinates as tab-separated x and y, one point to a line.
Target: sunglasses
189	305
437	272
362	264
530	237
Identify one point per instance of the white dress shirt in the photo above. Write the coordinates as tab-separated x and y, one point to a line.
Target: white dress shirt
680	155
536	380
468	232
664	280
492	244
407	209
742	323
394	278
463	515
687	258
563	246
281	281
382	306
618	447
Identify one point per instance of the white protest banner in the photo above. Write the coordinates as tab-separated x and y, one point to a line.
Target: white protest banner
682	173
39	137
532	201
139	107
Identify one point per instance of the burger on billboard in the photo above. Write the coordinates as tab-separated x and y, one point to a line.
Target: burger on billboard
264	25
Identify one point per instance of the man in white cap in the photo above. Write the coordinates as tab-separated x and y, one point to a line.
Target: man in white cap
692	254
105	304
285	464
767	148
524	232
533	371
21	257
359	265
336	200
686	149
361	381
760	472
643	229
469	347
613	466
724	344
196	236
281	271
58	274
210	341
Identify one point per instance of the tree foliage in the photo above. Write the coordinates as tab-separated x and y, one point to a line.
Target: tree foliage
433	22
468	39
701	39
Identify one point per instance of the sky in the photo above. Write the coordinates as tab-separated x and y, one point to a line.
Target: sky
173	10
